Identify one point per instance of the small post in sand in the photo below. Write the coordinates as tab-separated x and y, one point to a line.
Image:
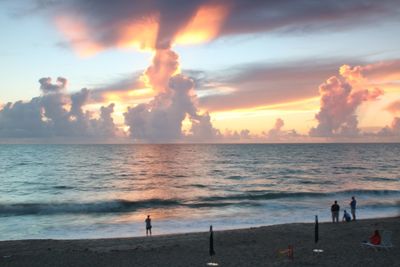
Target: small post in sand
211	249
317	251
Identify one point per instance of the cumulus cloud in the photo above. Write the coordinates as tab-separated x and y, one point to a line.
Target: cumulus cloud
55	114
161	119
276	132
339	102
391	131
165	64
47	86
236	136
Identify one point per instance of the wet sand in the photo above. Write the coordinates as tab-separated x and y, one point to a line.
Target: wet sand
243	247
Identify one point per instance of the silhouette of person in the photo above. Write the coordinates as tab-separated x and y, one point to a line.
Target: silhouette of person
148	225
346	216
335	208
353	205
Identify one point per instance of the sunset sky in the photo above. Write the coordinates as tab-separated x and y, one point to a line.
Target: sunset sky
199	71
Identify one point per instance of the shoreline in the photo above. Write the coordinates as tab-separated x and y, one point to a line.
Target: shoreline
255	246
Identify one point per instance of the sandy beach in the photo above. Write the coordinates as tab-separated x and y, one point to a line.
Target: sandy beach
243	247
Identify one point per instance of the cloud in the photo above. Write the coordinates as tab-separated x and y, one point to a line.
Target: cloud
93	25
391	131
47	86
339	102
161	119
165	64
55	114
121	86
254	85
394	107
287	17
237	136
375	72
276	132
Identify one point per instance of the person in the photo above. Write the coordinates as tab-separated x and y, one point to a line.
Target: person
346	216
353	204
335	208
148	225
375	239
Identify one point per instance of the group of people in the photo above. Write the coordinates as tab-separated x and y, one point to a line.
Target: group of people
335	209
375	239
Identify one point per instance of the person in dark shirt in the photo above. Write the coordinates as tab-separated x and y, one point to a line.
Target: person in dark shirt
353	204
335	208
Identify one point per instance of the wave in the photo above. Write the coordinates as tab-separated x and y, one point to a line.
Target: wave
350	168
264	196
235	177
112	206
253	198
379	179
63	187
279	195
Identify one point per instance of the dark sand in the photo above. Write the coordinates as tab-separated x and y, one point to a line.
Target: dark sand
243	247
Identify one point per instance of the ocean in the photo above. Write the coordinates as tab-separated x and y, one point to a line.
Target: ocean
101	191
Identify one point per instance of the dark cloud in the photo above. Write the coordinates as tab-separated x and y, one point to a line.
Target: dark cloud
302	16
104	19
47	86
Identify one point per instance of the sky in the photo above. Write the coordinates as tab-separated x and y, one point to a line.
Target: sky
162	71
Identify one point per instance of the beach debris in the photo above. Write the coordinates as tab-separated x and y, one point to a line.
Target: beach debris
287	252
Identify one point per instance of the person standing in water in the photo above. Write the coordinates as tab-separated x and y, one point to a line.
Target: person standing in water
353	204
148	225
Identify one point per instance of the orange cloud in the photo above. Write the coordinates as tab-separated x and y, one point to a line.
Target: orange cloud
394	107
139	34
204	26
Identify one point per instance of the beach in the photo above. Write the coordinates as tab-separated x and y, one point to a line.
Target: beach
242	247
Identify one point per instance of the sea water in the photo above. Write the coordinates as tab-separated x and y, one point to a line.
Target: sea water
97	191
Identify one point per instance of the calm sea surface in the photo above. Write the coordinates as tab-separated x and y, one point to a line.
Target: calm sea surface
93	191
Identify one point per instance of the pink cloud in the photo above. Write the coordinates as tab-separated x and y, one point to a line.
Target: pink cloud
339	102
394	107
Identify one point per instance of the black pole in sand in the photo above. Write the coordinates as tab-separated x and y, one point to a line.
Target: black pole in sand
212	252
316	234
211	248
